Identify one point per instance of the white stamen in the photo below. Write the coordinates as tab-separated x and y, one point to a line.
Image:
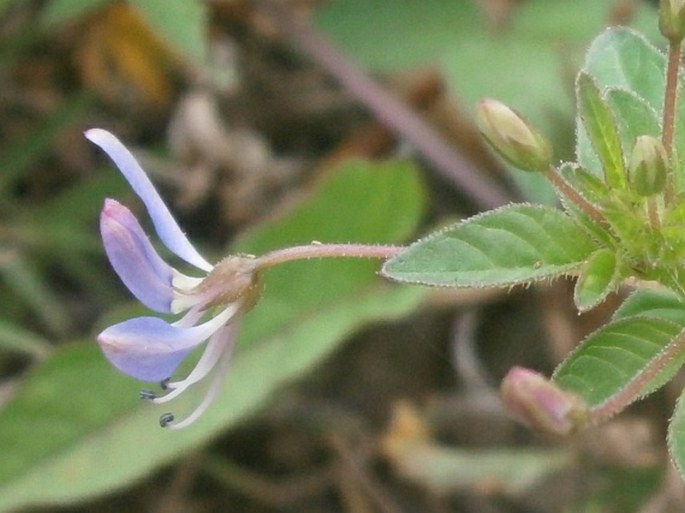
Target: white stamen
189	319
182	281
208	360
212	391
183	299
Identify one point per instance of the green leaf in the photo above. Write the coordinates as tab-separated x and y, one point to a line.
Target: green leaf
634	117
27	285
659	304
182	24
17	156
60	11
601	130
598	278
621	58
16	338
608	359
514	244
76	427
676	435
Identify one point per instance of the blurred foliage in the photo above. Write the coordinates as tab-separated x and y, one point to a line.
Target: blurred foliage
484	57
72	429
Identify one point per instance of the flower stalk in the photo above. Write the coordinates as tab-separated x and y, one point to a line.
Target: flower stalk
320	250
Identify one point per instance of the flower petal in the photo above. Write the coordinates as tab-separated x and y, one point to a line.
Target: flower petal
134	259
165	224
150	349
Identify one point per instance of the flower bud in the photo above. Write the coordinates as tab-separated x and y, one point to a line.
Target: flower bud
672	19
536	401
648	166
511	136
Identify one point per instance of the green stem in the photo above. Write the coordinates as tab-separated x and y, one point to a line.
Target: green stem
670	97
572	195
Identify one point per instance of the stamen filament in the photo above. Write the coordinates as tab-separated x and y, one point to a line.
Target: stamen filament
212	391
217	344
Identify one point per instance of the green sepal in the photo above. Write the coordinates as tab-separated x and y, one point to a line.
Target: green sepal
598	278
601	129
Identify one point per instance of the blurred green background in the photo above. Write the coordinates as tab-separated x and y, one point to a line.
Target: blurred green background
346	393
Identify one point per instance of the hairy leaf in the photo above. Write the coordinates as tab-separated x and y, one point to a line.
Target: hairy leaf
608	359
514	244
634	117
621	58
676	435
601	130
659	304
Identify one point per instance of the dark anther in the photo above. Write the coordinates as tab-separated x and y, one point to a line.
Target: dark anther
166	419
164	383
148	395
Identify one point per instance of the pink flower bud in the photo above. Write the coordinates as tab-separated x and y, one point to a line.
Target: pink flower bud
536	401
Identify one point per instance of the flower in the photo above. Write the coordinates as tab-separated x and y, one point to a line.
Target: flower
149	348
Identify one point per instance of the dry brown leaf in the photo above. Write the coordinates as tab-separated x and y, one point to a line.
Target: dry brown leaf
121	59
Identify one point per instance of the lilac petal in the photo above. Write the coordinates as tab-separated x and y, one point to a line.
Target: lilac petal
134	259
165	224
150	349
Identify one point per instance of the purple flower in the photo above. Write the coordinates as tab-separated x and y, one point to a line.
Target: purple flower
149	348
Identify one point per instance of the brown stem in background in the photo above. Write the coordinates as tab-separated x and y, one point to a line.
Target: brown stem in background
395	114
670	97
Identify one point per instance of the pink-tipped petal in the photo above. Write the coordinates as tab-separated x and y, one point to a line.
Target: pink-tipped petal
134	259
165	224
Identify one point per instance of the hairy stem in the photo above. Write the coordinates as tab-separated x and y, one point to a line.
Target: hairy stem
572	195
318	250
670	97
653	213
